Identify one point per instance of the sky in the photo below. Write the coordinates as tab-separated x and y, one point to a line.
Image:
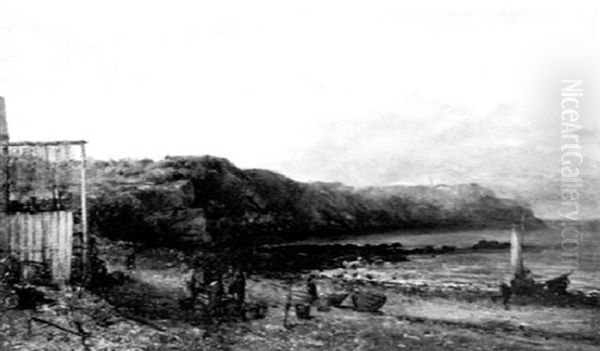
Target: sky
363	92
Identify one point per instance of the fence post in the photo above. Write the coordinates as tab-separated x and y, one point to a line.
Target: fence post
4	139
85	240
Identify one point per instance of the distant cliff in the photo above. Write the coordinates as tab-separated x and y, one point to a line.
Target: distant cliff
208	199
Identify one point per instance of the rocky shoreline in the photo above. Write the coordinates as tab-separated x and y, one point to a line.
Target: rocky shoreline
306	257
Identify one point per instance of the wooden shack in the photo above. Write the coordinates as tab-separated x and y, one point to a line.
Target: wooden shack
43	206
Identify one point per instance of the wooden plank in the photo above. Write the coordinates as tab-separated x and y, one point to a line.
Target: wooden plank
11	236
14	232
23	244
60	246
44	238
63	248
30	244
54	243
14	239
50	254
69	244
16	248
39	238
31	237
4	231
21	236
24	237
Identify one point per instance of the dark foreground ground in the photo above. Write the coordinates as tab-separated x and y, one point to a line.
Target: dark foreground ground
145	313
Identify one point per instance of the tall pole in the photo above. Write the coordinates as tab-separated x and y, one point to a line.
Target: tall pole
4	195
85	240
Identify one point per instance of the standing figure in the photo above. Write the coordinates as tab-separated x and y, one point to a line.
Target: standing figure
215	298
130	260
506	292
238	288
196	282
311	288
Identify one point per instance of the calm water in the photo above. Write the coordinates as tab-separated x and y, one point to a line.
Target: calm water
542	256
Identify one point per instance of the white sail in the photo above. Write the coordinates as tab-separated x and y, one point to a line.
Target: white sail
516	252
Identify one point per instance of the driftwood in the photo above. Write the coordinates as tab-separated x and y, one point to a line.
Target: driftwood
43	321
126	315
80	332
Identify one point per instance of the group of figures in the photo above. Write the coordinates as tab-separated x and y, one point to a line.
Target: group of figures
218	286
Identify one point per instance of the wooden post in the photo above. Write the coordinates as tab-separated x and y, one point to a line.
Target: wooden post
516	251
85	240
4	199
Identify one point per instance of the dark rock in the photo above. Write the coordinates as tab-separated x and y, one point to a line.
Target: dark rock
336	299
368	301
